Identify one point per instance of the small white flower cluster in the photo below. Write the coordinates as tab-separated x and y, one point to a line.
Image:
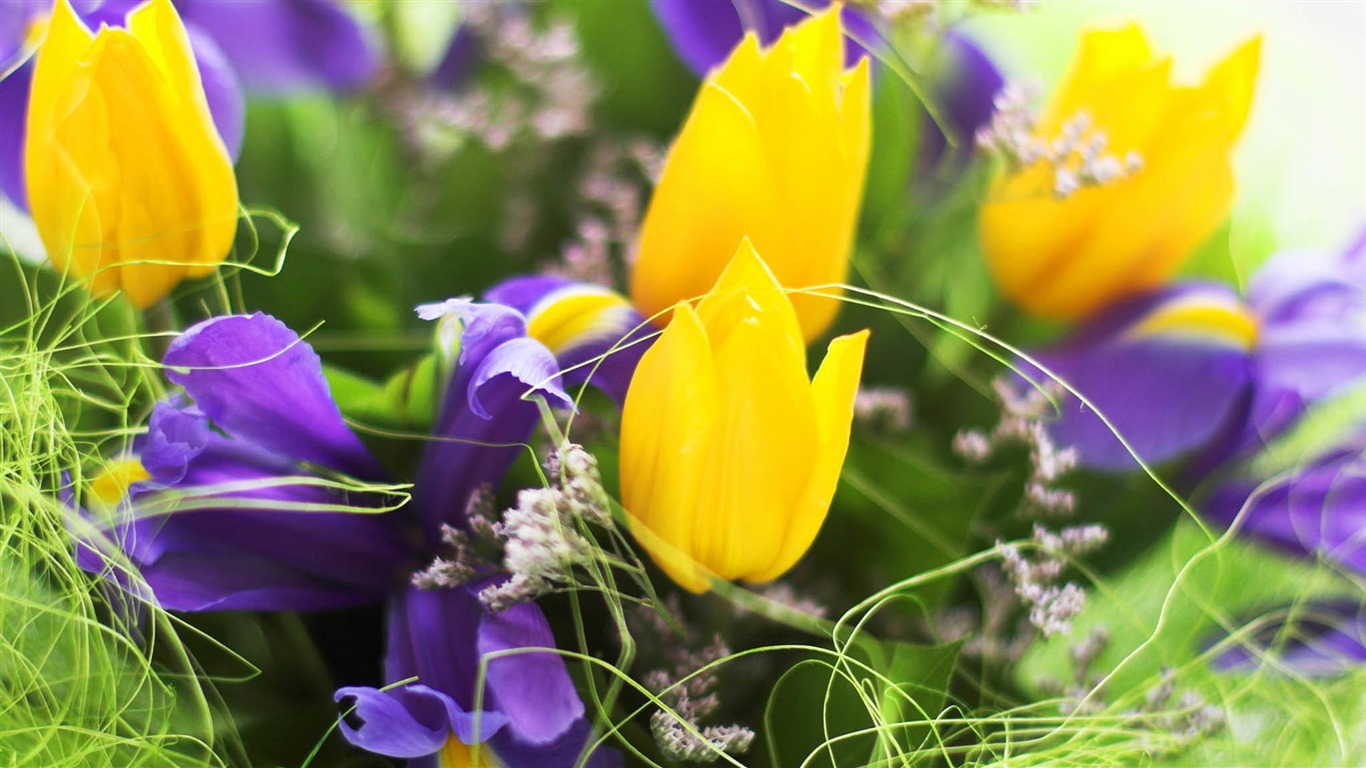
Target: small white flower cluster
691	695
901	11
883	409
1077	157
549	92
541	538
1021	423
1175	725
538	542
1080	696
1005	5
610	191
1051	607
472	553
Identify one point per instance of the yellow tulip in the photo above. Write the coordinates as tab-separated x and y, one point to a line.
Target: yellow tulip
124	166
729	453
775	149
1063	259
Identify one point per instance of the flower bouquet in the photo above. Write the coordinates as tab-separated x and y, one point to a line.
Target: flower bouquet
661	382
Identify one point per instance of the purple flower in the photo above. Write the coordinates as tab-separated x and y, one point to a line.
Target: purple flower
530	714
1318	509
1195	371
596	335
228	517
1314	639
268	47
704	32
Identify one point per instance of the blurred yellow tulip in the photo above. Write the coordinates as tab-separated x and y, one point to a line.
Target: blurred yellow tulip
729	454
123	164
1062	257
776	150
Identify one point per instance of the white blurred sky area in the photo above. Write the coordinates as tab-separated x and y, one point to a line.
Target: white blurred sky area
1301	165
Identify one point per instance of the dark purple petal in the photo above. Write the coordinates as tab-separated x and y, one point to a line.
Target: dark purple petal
1300	285
13	121
260	383
221	89
532	688
1313	359
484	416
16	23
223	524
412	720
175	436
1168	391
564	752
459	61
1315	640
525	361
279	48
409	721
704	32
614	329
530	708
1319	510
964	86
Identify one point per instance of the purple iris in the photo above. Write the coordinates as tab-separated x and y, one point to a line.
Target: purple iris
963	82
1195	371
1318	509
238	514
608	335
1315	639
267	47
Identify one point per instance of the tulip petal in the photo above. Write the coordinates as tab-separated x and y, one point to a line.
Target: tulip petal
762	449
691	230
1228	88
746	289
123	164
833	391
666	427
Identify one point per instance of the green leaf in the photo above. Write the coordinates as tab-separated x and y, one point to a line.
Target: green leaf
406	400
1168	611
876	704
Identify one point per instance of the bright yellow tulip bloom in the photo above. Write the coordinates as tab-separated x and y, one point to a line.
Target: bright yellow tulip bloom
776	150
1063	259
729	454
123	163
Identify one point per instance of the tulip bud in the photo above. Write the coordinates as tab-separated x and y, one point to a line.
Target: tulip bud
1133	174
729	454
129	182
775	149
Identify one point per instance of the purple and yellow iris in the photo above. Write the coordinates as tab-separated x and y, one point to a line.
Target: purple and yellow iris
1195	370
595	334
1198	373
233	502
